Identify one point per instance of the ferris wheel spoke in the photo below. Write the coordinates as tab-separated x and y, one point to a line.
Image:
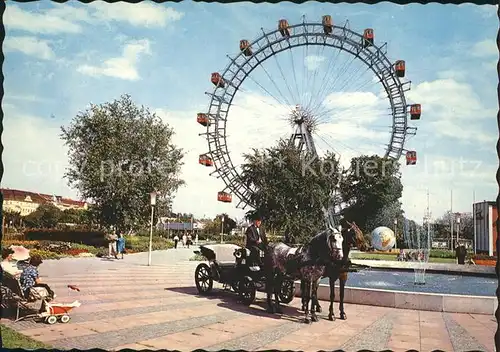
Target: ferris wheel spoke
305	52
265	91
331	65
295	77
331	87
283	96
320	94
284	78
338	152
325	111
315	73
360	147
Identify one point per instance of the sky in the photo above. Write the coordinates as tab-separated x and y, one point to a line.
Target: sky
59	58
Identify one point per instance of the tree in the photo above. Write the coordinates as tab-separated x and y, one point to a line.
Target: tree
118	154
214	226
375	186
290	189
73	216
46	215
12	218
465	229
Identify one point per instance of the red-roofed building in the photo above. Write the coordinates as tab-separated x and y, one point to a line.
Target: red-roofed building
26	202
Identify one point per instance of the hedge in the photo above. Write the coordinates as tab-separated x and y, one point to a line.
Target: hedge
90	238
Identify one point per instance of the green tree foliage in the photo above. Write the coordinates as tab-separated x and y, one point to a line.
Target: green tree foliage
465	229
12	218
375	185
213	227
290	189
118	154
46	216
74	216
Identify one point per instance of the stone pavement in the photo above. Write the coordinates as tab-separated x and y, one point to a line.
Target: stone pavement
126	304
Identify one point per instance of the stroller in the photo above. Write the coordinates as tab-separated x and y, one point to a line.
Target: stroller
50	311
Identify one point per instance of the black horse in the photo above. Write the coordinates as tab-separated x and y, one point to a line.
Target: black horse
306	263
337	270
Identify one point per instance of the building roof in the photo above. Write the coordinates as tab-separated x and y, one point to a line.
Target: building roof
39	198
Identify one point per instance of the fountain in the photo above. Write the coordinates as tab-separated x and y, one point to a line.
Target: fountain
419	252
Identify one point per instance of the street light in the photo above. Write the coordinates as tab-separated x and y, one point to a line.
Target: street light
458	227
153	203
395	233
222	230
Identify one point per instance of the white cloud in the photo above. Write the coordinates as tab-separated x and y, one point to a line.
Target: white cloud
447	105
144	14
345	100
63	18
312	62
40	23
124	67
485	48
39	162
30	46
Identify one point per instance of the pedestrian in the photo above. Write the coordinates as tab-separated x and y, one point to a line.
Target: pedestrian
120	244
189	240
30	278
184	240
112	245
176	241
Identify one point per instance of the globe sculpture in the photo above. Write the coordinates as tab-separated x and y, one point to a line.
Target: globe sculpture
383	238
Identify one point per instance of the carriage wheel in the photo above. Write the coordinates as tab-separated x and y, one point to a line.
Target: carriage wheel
203	279
287	291
51	320
247	291
65	319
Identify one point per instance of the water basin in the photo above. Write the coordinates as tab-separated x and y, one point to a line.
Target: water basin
396	280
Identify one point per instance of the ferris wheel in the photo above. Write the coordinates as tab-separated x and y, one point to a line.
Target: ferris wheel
304	112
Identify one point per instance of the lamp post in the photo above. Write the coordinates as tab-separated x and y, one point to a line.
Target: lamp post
395	233
153	203
222	230
458	228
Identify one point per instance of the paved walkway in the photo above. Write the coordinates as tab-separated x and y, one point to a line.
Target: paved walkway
126	304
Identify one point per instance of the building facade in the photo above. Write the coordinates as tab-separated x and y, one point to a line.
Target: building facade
485	227
25	202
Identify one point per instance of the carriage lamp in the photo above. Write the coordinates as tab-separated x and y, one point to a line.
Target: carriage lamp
152	198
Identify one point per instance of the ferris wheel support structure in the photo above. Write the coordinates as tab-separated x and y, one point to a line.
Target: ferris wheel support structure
272	43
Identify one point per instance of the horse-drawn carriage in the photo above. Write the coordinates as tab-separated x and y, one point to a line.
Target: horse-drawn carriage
227	264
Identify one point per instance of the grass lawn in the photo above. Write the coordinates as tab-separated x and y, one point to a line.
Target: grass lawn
393	257
12	339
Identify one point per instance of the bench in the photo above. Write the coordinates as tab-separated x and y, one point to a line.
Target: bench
12	292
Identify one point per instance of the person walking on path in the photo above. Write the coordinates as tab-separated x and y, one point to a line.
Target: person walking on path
184	240
112	245
176	241
120	244
189	240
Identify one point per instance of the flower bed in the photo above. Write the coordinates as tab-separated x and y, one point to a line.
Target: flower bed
486	262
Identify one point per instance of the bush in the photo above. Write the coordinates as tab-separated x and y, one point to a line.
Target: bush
25	244
91	238
441	253
141	243
89	249
101	252
45	254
